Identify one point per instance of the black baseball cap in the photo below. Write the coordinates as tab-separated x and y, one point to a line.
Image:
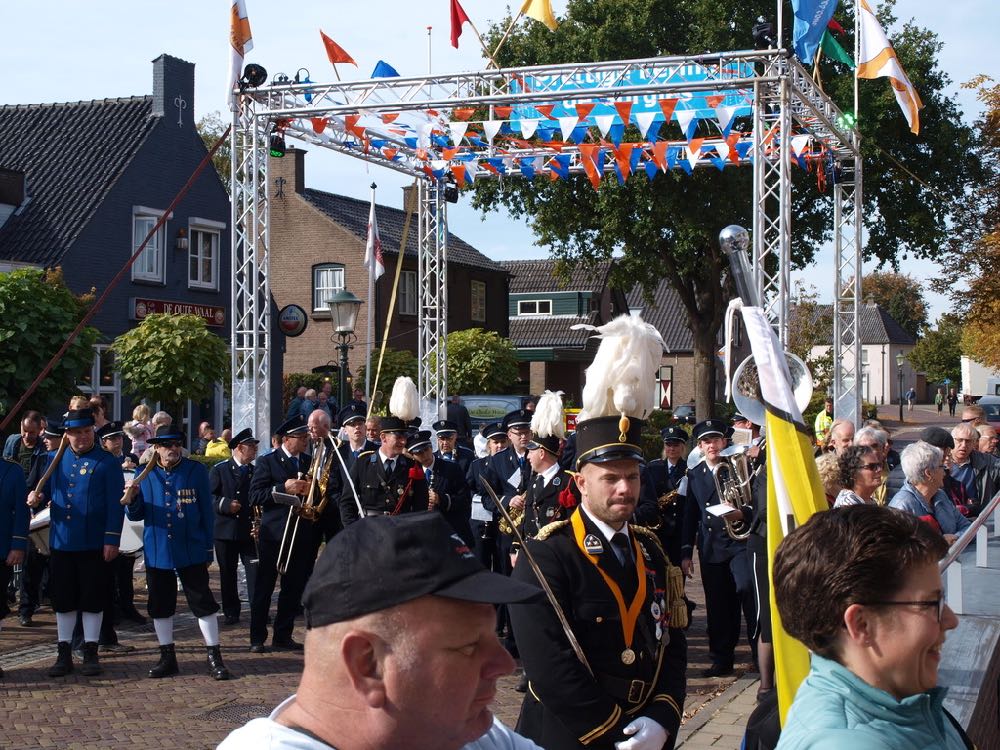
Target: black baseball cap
445	428
418	441
383	561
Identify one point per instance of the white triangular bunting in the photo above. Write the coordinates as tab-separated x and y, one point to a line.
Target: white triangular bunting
458	131
684	117
491	128
693	155
799	142
643	120
724	115
438	164
528	128
604	123
723	148
567	125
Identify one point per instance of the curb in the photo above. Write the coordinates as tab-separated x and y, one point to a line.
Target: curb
714	707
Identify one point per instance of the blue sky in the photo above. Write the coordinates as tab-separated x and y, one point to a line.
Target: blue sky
68	51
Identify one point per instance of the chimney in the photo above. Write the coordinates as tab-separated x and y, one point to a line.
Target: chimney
411	199
173	90
287	173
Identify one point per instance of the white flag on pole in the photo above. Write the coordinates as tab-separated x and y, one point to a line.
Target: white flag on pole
240	42
373	250
877	59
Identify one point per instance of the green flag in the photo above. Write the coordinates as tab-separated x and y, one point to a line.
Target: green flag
832	49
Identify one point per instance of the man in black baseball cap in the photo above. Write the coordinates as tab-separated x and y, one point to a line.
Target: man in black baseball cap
406	657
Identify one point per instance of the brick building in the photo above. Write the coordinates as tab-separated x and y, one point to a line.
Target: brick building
318	246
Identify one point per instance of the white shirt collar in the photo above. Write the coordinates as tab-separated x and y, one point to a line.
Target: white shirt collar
606	531
549	473
385	458
289	454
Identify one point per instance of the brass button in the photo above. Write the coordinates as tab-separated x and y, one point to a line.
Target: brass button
600	619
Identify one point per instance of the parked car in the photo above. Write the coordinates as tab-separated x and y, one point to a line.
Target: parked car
991	405
486	409
684	414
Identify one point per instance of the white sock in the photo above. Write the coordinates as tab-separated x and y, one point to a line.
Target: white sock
92	626
65	622
164	627
209	629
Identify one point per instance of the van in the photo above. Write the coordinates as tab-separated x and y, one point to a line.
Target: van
991	405
486	409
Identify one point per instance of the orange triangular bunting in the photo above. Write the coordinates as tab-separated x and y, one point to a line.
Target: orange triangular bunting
624	110
714	100
732	139
390	117
319	123
448	153
502	113
623	155
667	105
458	170
584	109
588	156
463	113
545	109
390	153
659	154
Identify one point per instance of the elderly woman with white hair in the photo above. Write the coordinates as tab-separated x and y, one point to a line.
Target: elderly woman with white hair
921	495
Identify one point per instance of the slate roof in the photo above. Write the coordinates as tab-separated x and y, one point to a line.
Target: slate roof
71	155
875	326
550	331
538	276
666	314
352	214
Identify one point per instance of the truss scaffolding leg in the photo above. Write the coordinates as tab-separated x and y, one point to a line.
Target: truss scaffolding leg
847	219
432	275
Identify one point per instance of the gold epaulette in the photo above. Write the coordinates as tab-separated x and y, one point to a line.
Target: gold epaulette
650	535
366	453
546	531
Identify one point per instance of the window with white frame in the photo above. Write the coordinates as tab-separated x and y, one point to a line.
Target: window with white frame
408	293
534	307
328	279
203	258
100	378
478	301
149	266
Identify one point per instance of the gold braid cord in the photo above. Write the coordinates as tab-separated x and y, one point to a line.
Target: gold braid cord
675	581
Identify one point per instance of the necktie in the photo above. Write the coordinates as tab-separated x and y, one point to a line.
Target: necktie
520	461
388	467
430	476
620	542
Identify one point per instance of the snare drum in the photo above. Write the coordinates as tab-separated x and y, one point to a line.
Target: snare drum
131	541
38	531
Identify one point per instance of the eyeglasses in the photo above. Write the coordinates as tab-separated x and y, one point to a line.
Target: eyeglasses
872	467
938	604
172	444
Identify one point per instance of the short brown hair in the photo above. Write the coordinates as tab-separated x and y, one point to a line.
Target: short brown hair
845	556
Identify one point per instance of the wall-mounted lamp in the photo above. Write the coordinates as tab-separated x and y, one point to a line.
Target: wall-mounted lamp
181	243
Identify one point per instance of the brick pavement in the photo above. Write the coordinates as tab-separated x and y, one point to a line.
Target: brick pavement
191	711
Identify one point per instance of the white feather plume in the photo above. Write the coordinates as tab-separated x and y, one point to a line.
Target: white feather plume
404	401
622	378
548	419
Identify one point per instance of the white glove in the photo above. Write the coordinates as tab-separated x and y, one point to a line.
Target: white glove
643	734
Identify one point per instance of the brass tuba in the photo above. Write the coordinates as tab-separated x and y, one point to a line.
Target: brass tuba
314	503
733	479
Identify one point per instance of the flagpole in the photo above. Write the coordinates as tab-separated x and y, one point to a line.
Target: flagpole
429	50
371	315
482	44
857	54
506	34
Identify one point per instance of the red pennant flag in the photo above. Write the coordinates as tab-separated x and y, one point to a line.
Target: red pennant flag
390	153
732	140
463	113
319	123
390	117
545	109
834	26
351	125
624	111
458	18
582	110
335	52
715	100
623	155
667	105
660	154
448	153
588	155
458	170
502	112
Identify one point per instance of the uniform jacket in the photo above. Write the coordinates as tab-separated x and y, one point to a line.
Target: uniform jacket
461	455
565	707
84	494
541	506
229	481
271	472
834	709
176	506
479	496
455	501
329	523
714	544
379	493
500	467
14	512
350	457
663	479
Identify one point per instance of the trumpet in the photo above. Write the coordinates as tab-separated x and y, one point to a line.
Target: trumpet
733	478
314	503
508	522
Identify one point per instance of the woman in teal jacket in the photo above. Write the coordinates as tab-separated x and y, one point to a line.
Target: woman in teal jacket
860	587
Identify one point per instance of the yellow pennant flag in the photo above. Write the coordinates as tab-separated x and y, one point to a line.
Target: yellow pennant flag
877	59
540	10
794	489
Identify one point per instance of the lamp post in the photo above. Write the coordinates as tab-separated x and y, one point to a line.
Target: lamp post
899	375
344	308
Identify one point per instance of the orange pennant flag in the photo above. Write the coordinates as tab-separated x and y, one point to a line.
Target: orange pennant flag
390	153
715	100
390	117
668	105
624	110
448	153
732	139
335	52
502	112
659	155
351	125
319	123
623	155
695	145
588	156
458	170
463	113
584	109
545	109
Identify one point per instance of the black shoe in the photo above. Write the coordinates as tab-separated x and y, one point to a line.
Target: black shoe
215	666
91	666
26	621
167	665
286	645
764	694
717	670
115	648
64	661
258	648
522	684
232	620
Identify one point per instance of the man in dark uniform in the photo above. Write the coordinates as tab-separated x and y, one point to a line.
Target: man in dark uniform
447	491
112	437
284	470
174	501
352	419
14	519
483	521
612	580
85	489
544	501
385	480
35	563
330	478
448	449
230	482
725	569
665	475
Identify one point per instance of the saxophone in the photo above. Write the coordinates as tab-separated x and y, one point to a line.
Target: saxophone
516	515
319	471
663	502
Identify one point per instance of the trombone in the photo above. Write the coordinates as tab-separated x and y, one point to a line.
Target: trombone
313	504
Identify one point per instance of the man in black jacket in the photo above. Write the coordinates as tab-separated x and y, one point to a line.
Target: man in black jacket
447	433
447	491
230	482
283	470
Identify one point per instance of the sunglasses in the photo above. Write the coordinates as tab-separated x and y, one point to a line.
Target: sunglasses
938	605
872	467
172	444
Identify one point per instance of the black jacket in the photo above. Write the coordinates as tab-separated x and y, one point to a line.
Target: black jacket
462	456
230	482
270	473
565	707
714	544
455	501
381	494
498	470
662	480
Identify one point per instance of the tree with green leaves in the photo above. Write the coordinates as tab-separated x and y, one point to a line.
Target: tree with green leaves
396	363
38	312
170	359
480	362
900	295
211	128
669	227
939	352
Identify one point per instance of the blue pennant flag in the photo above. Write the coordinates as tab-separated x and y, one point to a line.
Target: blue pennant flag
743	148
672	153
811	18
560	165
719	162
634	157
651	169
384	70
528	167
615	133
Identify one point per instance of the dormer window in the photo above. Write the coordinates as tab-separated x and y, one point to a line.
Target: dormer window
534	307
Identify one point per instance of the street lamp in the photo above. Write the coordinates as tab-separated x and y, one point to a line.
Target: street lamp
899	375
344	308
